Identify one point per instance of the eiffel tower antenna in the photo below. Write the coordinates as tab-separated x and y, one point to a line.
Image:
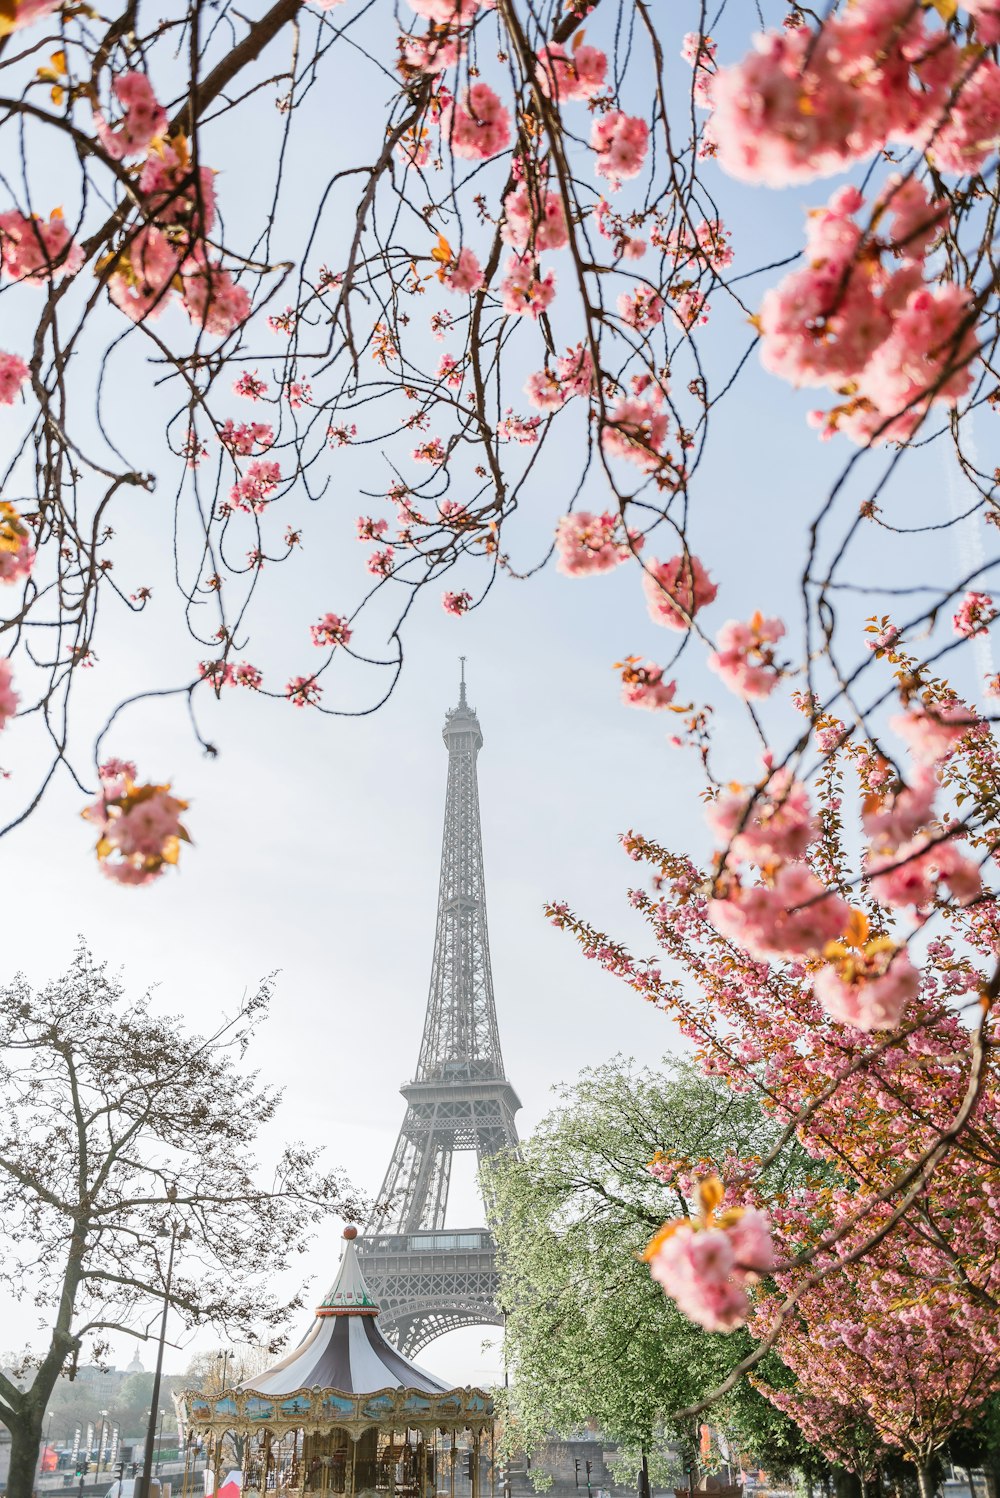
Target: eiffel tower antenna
429	1279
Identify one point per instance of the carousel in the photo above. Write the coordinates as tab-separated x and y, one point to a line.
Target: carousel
344	1413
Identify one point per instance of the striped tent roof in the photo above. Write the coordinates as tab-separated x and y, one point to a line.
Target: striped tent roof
344	1348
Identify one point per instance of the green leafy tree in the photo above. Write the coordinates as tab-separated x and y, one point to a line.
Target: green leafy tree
590	1336
123	1137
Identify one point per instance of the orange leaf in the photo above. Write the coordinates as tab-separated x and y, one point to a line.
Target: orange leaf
661	1235
710	1194
856	933
442	251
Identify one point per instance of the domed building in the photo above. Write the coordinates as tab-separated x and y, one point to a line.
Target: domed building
343	1413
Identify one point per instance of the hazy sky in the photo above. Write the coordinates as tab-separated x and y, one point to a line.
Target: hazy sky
316	840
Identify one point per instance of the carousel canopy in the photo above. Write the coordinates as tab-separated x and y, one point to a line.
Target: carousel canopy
344	1348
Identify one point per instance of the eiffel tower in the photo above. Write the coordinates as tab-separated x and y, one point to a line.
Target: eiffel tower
426	1278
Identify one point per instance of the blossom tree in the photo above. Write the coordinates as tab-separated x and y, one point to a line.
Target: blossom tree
122	1136
529	252
883	1278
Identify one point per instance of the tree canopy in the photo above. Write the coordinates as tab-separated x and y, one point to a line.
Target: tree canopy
589	1335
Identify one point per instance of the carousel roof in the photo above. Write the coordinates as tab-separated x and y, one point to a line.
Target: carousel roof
344	1348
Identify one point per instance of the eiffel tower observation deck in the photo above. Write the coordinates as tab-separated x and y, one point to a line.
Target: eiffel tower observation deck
429	1278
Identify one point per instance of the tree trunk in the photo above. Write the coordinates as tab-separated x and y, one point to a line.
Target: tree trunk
926	1480
991	1467
846	1484
25	1446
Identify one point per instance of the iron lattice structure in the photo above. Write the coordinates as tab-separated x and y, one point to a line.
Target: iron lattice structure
427	1279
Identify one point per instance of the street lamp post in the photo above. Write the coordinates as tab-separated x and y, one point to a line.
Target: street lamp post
223	1357
159	1443
175	1231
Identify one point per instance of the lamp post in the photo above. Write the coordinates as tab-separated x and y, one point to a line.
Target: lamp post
159	1443
174	1232
223	1358
40	1470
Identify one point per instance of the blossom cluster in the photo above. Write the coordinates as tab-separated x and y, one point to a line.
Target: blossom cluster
17	555
861	318
706	1262
807	103
139	827
167	252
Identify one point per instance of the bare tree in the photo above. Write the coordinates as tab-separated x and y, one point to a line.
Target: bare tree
122	1133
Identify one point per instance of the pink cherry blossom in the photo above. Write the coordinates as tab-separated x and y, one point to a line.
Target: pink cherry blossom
636	430
255	489
432	451
869	993
142	275
986	14
23	12
804	103
143	119
753	1247
971	129
214	301
175	194
621	142
331	630
910	873
479	125
249	386
574	375
15	565
709	243
675	590
534	219
146	826
975	614
691	308
8	697
524	289
31	248
792	917
643	686
697	1271
217	673
431	53
369	529
303	691
446	12
13	373
641	310
766	823
705	1263
249	676
464	273
139	827
591	543
932	733
456	603
577	75
896	816
744	658
241	438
